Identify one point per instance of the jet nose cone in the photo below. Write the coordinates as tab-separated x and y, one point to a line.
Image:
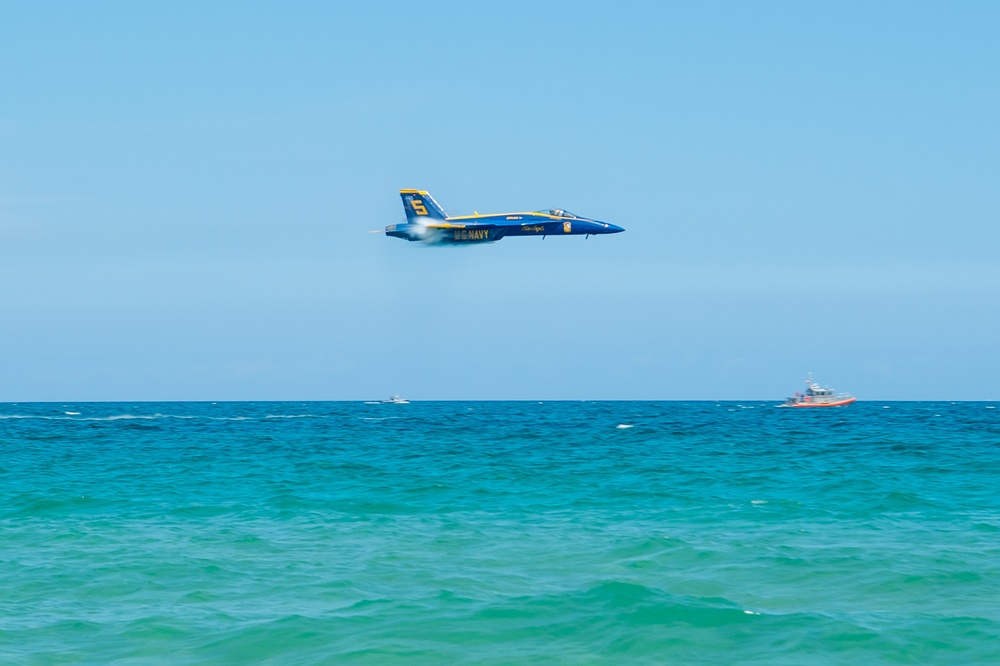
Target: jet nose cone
604	227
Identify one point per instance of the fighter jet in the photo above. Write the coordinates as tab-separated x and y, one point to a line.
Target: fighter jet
426	221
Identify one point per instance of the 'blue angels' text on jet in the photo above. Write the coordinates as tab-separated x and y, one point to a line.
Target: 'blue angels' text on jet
426	221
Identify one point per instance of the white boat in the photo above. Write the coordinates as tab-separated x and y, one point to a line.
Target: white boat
818	396
394	400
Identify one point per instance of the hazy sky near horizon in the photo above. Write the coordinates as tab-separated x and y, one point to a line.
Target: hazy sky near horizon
186	191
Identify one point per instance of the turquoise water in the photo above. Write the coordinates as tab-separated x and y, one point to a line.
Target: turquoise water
499	533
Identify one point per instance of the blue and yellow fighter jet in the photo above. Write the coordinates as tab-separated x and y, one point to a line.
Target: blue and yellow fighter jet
427	222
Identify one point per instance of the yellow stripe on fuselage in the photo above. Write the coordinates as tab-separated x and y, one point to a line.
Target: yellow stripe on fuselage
532	213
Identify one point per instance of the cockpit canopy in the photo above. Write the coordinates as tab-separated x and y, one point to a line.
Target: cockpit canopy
559	212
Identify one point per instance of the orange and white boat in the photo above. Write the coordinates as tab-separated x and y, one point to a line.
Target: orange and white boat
818	396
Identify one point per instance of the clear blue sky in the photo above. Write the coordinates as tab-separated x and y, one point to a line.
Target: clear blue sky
186	191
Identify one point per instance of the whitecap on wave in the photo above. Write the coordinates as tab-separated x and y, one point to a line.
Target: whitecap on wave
294	416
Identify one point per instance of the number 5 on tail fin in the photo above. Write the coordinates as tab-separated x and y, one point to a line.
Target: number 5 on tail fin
420	206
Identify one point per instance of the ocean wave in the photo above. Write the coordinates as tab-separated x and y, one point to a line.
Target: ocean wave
128	417
618	604
296	416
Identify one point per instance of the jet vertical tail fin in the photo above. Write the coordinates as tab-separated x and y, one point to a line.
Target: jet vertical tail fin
421	207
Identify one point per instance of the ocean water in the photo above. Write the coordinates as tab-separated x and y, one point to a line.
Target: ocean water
499	533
